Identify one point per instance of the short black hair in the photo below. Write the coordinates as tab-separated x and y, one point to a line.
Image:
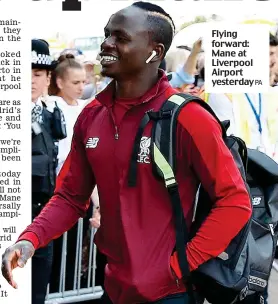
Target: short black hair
163	65
161	23
273	41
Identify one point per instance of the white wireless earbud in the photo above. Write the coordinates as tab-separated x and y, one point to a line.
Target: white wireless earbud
151	57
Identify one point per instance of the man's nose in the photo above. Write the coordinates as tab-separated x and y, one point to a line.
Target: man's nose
108	42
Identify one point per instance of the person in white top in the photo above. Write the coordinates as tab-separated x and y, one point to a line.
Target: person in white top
66	87
226	107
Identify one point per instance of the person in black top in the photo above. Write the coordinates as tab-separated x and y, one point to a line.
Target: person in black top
48	126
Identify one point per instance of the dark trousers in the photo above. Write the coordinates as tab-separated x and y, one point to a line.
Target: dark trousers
181	298
41	269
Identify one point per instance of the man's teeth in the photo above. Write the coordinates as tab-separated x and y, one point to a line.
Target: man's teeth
108	58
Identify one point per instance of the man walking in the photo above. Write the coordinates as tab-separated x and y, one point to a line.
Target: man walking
137	232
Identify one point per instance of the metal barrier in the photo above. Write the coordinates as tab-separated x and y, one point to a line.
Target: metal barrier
91	292
78	294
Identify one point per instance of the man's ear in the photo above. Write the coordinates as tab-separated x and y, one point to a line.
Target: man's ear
160	51
157	53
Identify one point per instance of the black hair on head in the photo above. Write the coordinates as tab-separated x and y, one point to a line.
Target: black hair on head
163	65
161	24
273	41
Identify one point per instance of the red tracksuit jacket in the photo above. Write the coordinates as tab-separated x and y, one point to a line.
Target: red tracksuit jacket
137	232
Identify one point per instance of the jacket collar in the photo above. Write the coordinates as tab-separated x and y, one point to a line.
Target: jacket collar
106	97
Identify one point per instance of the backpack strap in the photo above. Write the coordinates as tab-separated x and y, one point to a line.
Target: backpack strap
150	115
164	162
164	131
164	156
132	173
164	134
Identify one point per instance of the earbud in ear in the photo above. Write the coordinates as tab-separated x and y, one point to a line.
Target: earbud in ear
151	57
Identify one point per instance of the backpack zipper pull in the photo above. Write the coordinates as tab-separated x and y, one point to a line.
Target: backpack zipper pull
271	229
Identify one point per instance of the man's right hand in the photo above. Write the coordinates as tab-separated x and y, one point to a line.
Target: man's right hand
16	255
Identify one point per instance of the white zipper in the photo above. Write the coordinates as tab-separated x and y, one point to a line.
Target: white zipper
116	133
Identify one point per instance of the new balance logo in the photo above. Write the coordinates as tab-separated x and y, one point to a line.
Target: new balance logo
256	200
92	142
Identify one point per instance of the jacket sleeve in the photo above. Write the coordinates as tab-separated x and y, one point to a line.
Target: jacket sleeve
180	78
214	166
70	201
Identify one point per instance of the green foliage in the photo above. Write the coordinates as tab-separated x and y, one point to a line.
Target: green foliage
198	19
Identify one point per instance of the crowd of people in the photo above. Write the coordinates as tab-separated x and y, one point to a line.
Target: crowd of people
85	116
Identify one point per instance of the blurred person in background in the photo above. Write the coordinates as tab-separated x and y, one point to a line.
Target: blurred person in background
274	78
201	70
90	89
66	88
274	109
273	41
95	82
176	58
200	87
183	70
78	54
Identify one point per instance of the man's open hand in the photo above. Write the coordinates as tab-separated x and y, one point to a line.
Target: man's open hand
16	255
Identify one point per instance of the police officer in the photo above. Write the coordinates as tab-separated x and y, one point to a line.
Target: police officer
48	126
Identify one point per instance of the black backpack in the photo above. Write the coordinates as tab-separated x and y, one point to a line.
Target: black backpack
245	266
